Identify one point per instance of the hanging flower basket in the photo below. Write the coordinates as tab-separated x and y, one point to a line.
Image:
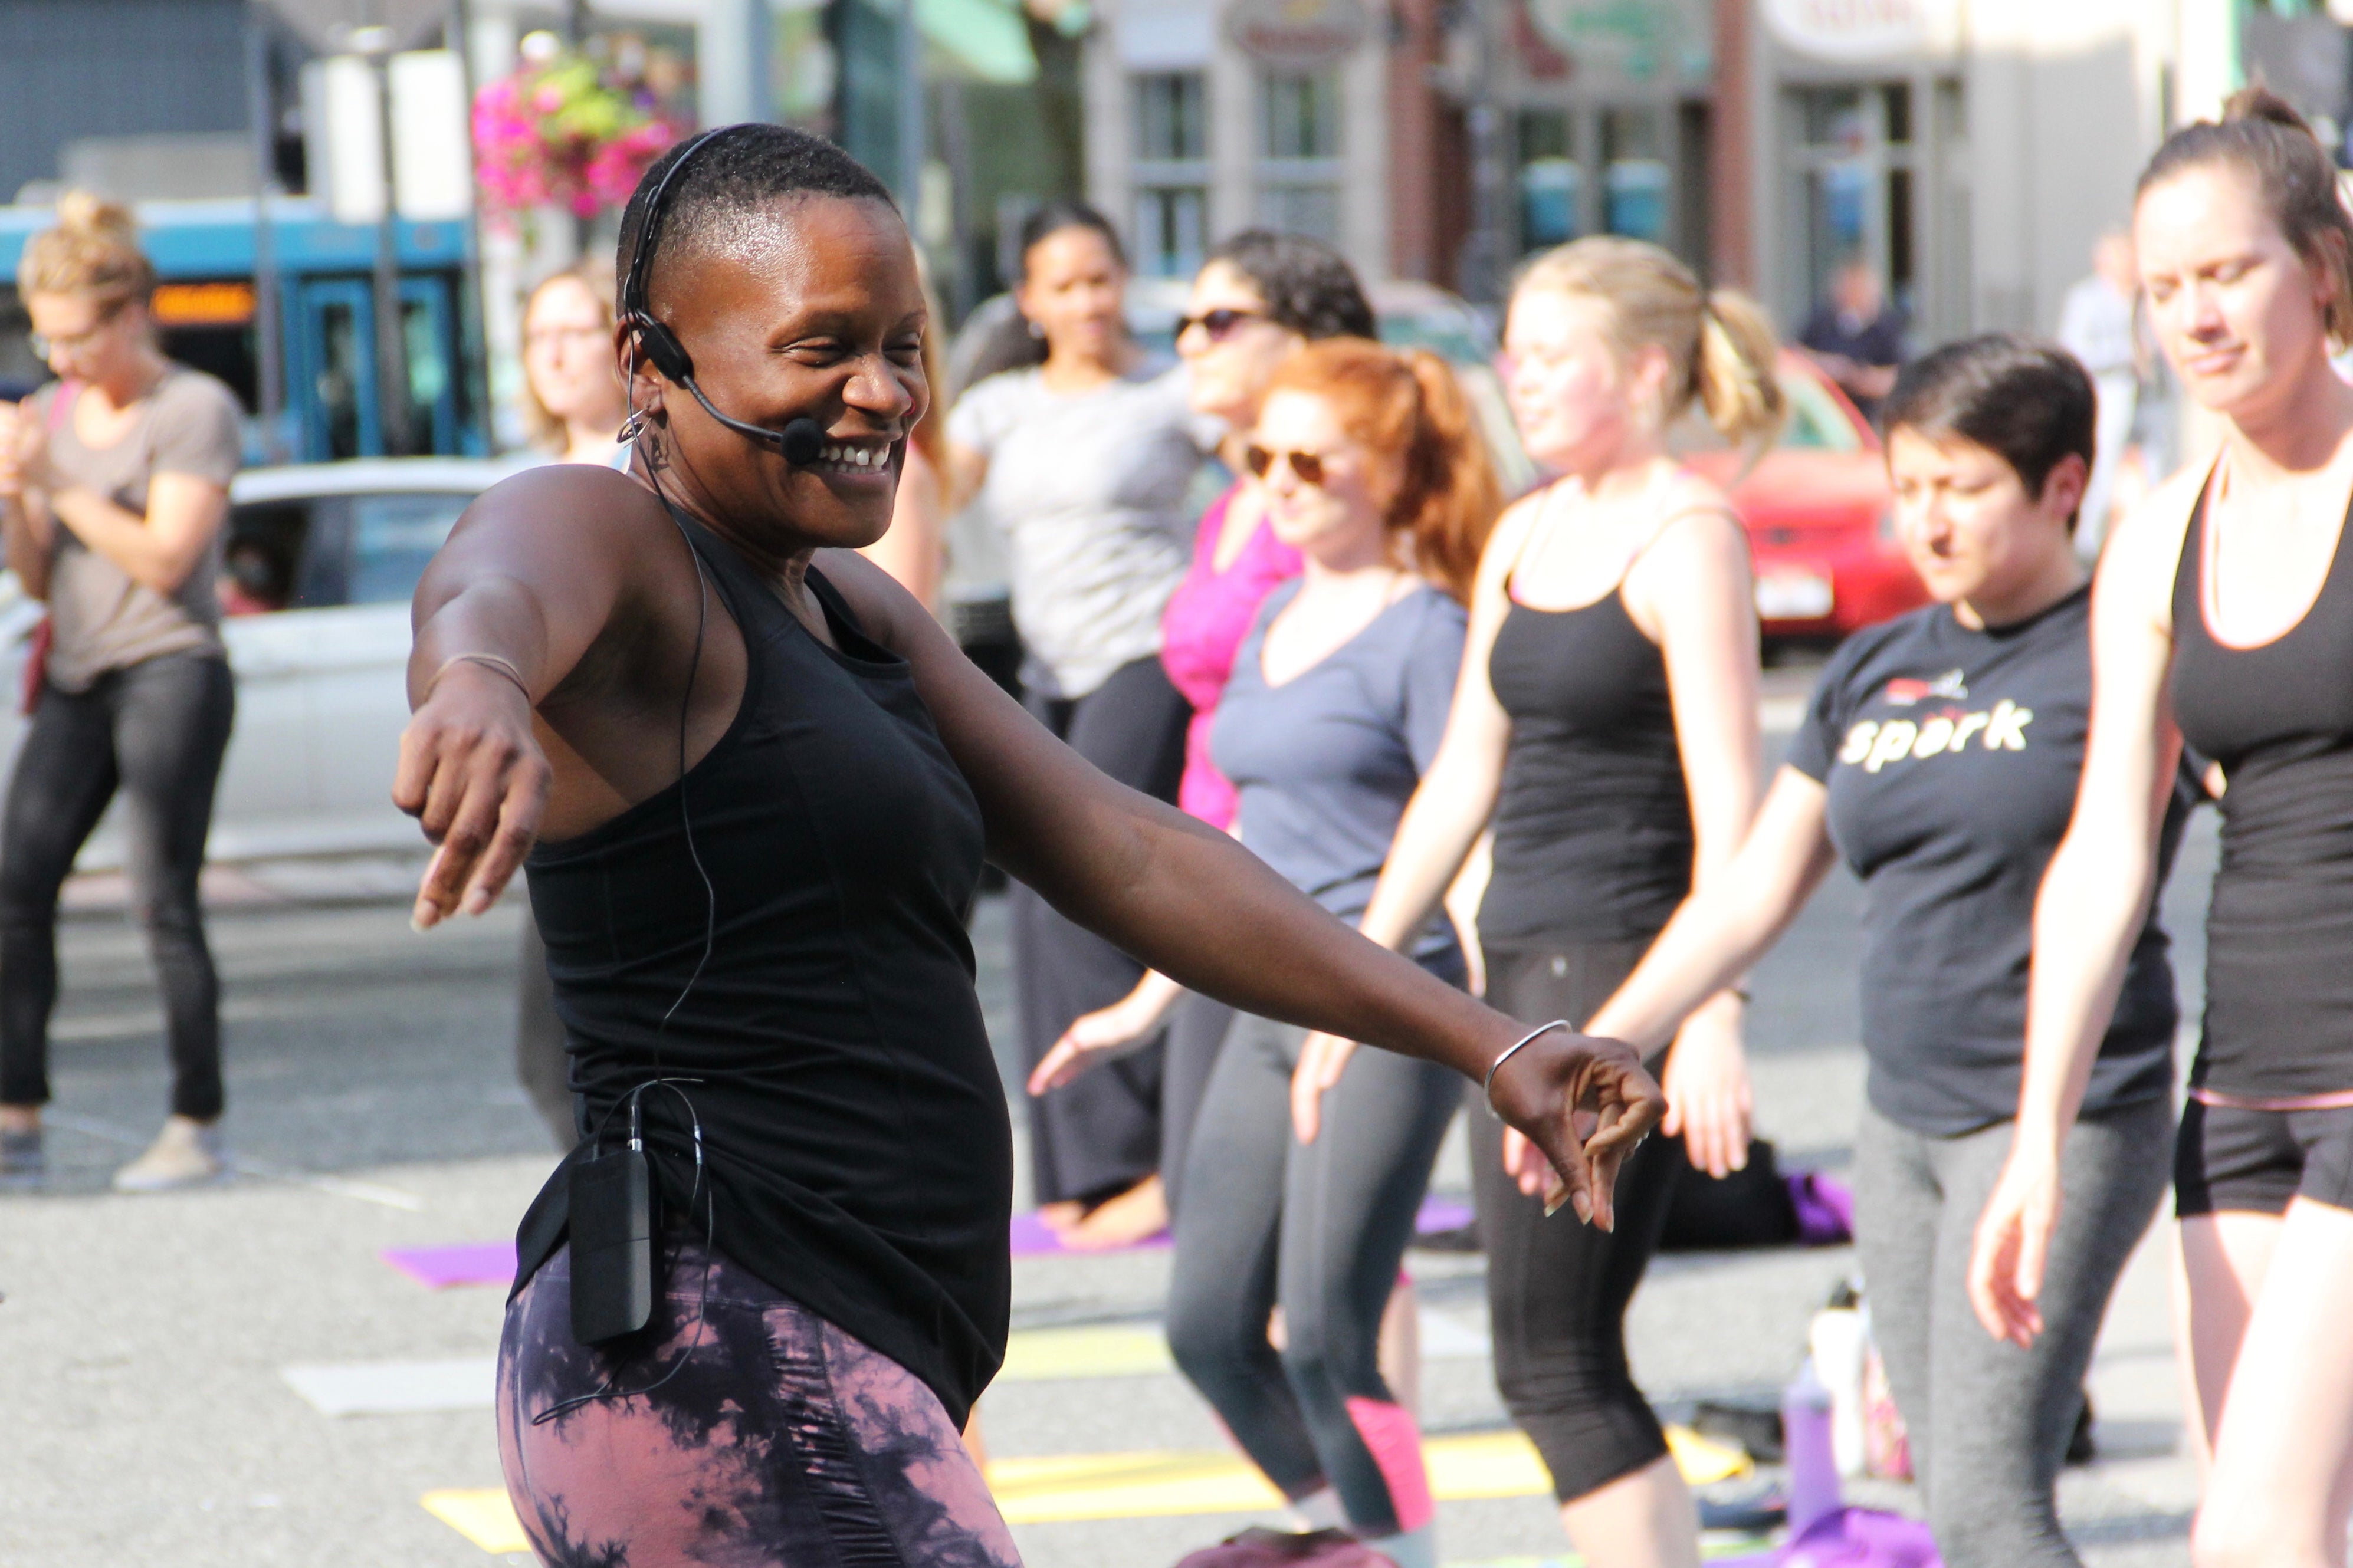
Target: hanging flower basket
555	133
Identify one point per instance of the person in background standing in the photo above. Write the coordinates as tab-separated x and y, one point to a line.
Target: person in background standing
573	403
1084	462
113	494
1258	301
1856	336
2099	323
1371	465
1939	758
1607	720
2223	625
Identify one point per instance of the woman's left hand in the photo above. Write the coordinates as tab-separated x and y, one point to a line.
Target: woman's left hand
1321	1061
1706	1082
1585	1102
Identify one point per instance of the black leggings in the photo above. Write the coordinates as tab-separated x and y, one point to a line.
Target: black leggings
156	732
1321	1228
1099	1136
1556	1290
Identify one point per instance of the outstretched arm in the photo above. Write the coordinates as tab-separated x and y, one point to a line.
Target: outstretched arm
1190	902
2096	895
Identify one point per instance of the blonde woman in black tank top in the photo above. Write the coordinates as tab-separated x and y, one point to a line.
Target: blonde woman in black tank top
1609	704
2222	613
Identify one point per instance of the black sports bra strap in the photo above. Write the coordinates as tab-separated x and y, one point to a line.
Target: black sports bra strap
2190	568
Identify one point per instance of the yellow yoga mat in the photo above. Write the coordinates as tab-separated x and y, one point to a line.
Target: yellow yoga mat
1051	1488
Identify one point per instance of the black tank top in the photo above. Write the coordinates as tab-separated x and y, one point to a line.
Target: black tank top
854	1126
2279	929
1593	829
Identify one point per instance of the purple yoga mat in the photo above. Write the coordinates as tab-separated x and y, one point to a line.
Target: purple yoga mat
466	1263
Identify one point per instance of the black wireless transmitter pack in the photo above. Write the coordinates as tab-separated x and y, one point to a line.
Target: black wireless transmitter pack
612	1241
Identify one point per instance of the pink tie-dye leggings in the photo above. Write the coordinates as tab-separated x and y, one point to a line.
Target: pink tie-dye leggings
779	1442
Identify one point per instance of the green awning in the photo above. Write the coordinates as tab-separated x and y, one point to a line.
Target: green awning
983	38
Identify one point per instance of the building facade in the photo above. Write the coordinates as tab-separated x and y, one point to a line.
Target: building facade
1971	151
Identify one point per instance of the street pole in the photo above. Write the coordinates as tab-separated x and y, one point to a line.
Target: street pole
268	347
910	111
1482	251
391	339
473	352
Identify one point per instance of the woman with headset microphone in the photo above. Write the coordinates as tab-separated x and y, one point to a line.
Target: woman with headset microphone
760	780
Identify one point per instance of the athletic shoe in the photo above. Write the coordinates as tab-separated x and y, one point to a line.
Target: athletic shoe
22	1162
184	1155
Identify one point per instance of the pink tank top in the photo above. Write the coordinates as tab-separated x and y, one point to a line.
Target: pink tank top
1201	631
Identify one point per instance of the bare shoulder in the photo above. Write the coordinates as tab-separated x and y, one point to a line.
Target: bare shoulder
2143	551
587	500
1509	539
885	612
1697	525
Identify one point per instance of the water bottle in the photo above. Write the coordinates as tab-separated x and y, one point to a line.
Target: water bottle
1806	1441
1839	1338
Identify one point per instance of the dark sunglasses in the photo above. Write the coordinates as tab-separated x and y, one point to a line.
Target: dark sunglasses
1306	465
1220	323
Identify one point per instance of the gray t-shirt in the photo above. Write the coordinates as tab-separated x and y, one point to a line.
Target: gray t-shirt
1326	762
100	619
1089	491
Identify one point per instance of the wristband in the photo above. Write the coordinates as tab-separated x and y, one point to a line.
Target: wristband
1511	1050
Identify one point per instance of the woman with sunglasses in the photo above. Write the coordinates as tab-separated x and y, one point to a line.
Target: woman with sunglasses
766	780
1607	720
1259	299
115	481
1085	462
1372	468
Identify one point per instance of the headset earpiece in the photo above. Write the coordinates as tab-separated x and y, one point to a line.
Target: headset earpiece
664	352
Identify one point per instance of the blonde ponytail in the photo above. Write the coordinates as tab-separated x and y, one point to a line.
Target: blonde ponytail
1720	345
93	251
1733	372
1446	498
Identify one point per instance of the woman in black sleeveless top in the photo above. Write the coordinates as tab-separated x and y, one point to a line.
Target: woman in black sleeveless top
765	780
2222	616
1607	717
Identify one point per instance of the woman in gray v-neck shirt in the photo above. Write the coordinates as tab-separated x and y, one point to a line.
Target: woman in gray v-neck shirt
1085	462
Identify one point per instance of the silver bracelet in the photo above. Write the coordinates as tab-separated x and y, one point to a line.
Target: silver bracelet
1514	1049
489	661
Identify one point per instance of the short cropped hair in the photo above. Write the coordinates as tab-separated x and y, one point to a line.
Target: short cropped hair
2029	402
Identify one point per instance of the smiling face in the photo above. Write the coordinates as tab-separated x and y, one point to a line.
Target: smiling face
567	352
1338	520
1229	371
809	307
1574	399
1074	290
1967	525
2238	313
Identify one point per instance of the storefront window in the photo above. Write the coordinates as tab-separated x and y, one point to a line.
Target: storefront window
1299	154
1549	179
1856	187
1172	171
1634	175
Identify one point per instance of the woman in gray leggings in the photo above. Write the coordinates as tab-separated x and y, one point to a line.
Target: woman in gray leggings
1939	758
1372	470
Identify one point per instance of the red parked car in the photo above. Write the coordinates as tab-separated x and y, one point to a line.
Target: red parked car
1818	513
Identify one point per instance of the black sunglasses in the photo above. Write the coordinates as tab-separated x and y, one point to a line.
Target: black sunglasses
1220	323
1308	466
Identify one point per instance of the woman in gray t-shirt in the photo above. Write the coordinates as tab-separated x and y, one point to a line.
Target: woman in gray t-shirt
1085	461
113	490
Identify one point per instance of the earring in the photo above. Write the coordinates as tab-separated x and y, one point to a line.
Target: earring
634	425
1035	330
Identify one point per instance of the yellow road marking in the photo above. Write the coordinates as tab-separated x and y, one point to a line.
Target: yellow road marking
1055	1487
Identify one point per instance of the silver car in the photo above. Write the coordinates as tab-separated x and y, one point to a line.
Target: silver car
324	559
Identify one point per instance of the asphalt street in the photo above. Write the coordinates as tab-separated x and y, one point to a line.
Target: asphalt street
145	1343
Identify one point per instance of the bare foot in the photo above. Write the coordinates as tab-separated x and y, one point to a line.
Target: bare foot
1062	1218
20	1119
1137	1215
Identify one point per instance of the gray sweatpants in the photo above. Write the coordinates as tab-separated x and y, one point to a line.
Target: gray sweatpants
1990	1422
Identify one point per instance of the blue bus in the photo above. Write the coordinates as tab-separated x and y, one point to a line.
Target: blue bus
207	303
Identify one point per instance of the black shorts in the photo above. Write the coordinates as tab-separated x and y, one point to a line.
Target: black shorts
2230	1159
